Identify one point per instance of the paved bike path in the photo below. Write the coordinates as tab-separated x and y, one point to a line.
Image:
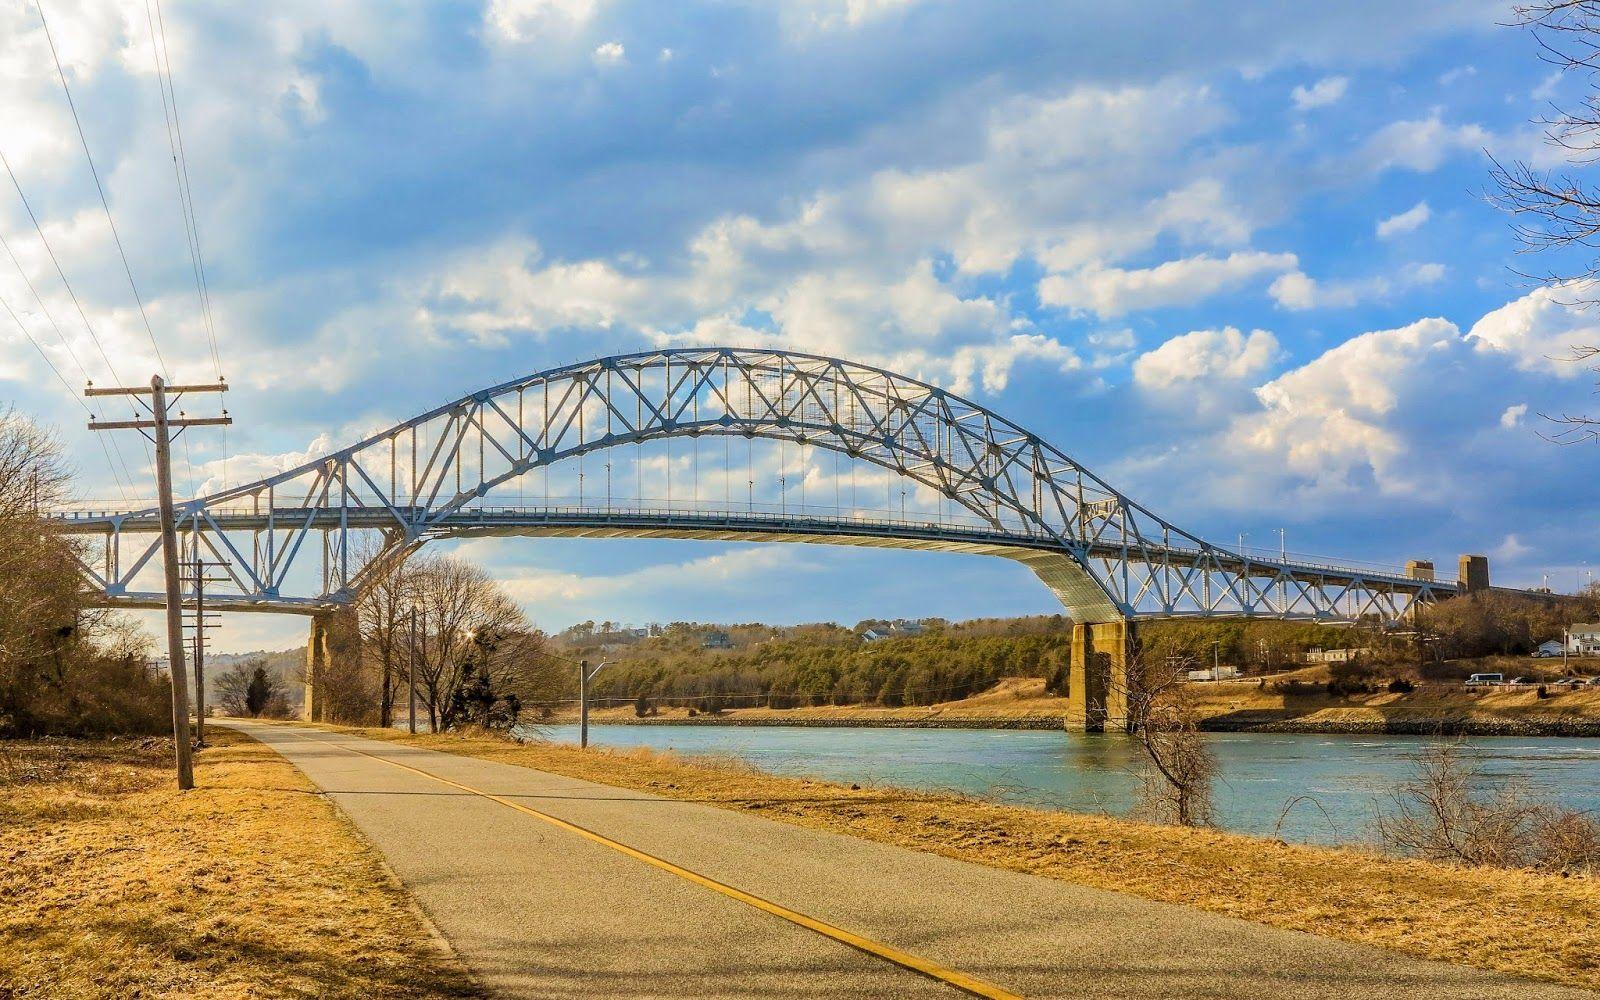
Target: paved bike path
539	910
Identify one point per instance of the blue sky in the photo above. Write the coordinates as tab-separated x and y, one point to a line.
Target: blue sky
1237	260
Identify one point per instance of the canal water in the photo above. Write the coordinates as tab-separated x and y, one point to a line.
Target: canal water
1262	774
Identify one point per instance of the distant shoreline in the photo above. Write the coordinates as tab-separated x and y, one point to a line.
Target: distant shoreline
1244	722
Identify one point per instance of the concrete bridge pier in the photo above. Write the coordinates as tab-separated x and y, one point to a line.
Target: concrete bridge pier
1097	677
316	665
332	648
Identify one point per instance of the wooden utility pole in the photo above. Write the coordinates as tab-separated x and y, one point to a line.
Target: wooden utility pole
201	624
585	675
159	429
411	670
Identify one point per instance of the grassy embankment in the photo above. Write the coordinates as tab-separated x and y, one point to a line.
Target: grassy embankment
114	884
1021	702
1538	925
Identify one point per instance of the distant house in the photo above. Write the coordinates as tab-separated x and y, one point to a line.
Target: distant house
898	629
716	640
1584	639
1315	655
1552	647
1218	673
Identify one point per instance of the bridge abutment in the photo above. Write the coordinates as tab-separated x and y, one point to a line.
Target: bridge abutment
316	666
1097	677
333	651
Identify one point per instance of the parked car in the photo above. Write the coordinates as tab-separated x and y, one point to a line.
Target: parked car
1594	682
1485	680
1540	654
1525	681
1569	682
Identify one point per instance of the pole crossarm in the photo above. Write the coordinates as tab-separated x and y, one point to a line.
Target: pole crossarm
1104	555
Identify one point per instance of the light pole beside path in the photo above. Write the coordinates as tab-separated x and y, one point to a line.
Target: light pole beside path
585	675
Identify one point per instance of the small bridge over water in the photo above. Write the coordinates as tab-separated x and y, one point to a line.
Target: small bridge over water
309	539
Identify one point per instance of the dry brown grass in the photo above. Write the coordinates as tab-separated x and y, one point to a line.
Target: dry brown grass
1543	926
113	884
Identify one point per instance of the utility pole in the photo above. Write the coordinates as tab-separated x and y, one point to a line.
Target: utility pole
201	624
411	670
585	675
162	435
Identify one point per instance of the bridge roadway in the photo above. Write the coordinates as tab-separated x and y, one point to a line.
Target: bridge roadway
537	909
1047	557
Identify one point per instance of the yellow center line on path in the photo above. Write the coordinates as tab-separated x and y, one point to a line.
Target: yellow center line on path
932	970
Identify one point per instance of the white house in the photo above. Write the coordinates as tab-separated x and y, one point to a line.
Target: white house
1584	640
1552	647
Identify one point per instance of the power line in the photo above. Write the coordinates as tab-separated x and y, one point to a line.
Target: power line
161	53
74	394
36	298
127	268
37	228
71	354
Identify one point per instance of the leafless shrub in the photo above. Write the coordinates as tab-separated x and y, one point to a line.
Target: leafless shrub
1440	815
1180	768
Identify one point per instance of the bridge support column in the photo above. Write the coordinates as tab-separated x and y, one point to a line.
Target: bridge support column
1097	677
333	665
316	666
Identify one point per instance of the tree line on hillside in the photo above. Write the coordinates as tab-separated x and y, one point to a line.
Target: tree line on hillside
65	667
830	665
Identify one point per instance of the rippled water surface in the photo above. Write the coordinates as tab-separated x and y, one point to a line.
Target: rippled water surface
1347	776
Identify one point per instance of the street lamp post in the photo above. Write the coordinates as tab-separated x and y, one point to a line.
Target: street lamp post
1216	659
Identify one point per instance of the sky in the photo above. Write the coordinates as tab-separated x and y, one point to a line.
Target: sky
1236	259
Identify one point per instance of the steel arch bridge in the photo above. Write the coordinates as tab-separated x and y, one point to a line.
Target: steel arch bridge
1106	557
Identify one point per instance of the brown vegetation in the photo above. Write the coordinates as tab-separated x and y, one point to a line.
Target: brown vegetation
1527	923
1180	765
112	884
1439	815
64	667
476	656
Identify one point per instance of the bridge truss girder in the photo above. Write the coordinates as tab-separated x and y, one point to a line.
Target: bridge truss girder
1106	556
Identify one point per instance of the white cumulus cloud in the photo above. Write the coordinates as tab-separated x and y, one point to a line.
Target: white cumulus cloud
526	20
1326	91
1112	291
1206	355
1404	222
1541	330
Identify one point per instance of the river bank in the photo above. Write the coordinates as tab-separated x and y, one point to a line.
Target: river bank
1532	924
1245	706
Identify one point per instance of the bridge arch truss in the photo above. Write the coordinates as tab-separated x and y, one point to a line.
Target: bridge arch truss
1105	556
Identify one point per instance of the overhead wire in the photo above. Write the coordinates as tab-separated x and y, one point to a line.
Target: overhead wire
186	189
105	203
161	55
39	300
77	304
62	274
28	335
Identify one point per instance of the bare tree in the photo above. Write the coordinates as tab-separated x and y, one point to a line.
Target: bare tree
467	618
64	667
1555	210
383	616
1180	766
1445	813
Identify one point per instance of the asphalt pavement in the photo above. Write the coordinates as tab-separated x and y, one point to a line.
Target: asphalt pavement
555	887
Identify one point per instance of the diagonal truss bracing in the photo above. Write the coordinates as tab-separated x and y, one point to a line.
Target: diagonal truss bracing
1106	556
